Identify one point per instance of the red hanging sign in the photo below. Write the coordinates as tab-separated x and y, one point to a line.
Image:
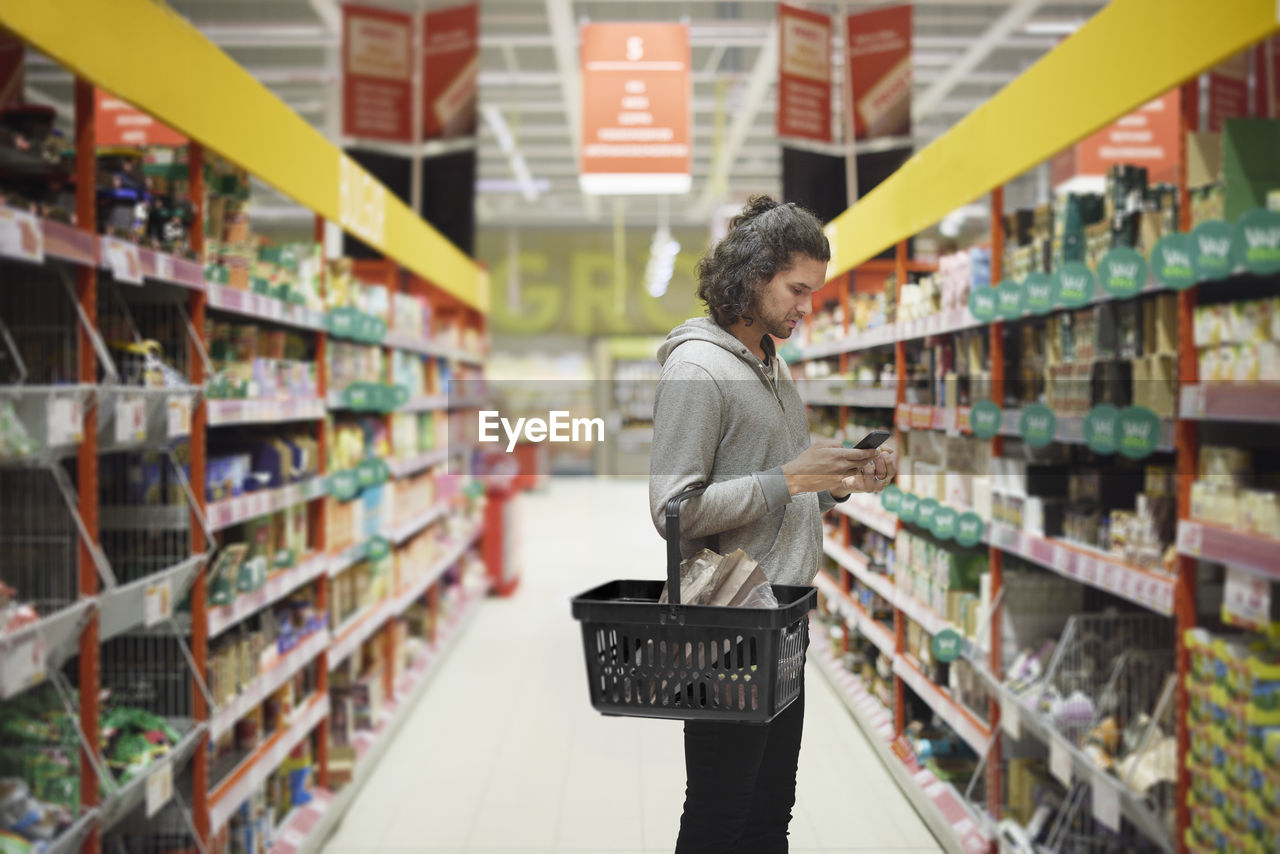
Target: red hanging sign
879	51
451	63
635	109
120	123
804	74
377	74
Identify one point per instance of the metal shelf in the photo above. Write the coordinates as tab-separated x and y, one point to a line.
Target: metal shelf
320	817
130	796
28	654
401	468
254	769
843	603
1087	566
1132	805
227	412
1255	553
242	508
1252	403
266	683
869	513
148	600
866	398
402	533
259	307
946	813
412	343
278	586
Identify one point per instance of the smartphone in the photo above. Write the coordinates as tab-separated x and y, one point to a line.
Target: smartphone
874	439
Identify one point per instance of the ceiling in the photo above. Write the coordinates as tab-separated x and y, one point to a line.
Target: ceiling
963	53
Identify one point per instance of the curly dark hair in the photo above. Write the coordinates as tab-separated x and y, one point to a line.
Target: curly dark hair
766	238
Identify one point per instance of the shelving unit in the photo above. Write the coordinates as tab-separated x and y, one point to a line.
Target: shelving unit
129	580
974	158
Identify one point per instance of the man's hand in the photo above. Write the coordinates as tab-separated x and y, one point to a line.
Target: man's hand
826	465
872	477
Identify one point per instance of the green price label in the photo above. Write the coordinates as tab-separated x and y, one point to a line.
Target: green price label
925	512
1173	261
1039	293
1010	300
399	396
969	529
368	473
377	548
343	322
1215	251
946	645
891	498
1122	272
982	303
343	485
985	419
1258	235
1038	425
908	506
944	522
1101	427
474	489
1074	285
1139	432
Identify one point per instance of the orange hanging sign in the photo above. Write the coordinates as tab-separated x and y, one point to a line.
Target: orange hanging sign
635	109
1147	137
120	123
879	51
377	74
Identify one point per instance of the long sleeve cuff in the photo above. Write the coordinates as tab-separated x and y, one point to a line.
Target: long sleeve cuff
773	483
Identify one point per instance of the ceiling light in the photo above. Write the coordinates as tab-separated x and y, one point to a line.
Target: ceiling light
1052	28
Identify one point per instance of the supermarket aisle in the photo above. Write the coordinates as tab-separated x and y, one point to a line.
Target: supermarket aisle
504	752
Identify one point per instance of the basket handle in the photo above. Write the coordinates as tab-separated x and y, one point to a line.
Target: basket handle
673	541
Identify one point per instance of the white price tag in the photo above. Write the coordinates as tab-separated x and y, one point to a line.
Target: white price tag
164	266
159	602
123	259
21	236
65	420
1060	762
1190	538
1246	598
179	416
159	787
131	419
1106	804
1061	560
21	666
1011	719
1193	402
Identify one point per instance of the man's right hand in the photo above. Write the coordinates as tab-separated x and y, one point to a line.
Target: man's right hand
826	464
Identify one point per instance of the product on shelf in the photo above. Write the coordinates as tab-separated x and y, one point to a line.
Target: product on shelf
1234	758
14	615
1230	490
258	363
243	463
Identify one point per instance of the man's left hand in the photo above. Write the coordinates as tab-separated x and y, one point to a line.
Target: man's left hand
873	477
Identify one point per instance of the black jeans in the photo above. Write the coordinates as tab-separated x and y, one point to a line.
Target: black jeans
741	784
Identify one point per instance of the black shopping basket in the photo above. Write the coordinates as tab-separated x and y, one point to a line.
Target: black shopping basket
691	662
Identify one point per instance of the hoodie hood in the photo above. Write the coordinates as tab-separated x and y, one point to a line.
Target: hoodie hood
706	329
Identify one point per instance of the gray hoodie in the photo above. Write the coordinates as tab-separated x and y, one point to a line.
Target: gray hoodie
722	418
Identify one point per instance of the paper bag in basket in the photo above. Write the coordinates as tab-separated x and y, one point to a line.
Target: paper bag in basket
734	579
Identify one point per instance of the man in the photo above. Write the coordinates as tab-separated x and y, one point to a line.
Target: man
727	414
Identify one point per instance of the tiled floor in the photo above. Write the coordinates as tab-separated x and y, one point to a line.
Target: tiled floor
505	754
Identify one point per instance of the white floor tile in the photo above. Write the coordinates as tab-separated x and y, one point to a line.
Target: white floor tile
504	754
